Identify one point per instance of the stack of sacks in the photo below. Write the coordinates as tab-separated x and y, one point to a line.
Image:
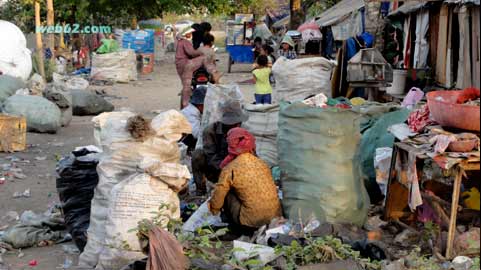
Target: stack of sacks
135	179
118	66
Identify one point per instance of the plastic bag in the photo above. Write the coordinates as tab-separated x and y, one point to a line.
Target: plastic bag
8	86
300	78
110	130
382	164
76	180
201	217
216	96
88	103
42	115
119	66
139	197
316	157
108	46
15	58
63	100
262	123
118	176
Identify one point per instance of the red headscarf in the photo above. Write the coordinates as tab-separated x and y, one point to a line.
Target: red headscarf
240	141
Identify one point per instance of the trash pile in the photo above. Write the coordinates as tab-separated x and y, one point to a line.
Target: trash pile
58	101
137	175
76	180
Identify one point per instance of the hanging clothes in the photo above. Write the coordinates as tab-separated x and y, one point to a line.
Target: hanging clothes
385	5
407	42
421	49
328	43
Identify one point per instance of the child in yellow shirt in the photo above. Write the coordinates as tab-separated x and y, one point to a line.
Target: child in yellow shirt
263	94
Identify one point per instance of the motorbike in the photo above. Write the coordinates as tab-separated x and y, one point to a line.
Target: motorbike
201	78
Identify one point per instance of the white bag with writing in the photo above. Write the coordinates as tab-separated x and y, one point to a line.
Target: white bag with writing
133	200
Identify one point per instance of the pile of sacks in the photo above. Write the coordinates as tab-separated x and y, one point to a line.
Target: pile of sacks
118	66
136	177
58	101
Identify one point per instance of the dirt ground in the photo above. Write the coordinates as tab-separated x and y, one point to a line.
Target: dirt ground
156	91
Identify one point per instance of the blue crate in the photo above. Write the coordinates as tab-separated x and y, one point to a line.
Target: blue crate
142	41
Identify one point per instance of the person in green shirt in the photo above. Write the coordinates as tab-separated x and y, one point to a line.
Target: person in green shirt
263	94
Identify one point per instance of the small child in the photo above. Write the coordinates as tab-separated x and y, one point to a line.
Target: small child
263	94
287	48
267	51
208	48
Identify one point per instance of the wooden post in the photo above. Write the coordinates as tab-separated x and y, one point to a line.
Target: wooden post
51	36
296	14
40	63
454	212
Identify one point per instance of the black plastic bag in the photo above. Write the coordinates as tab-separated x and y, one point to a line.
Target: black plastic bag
76	180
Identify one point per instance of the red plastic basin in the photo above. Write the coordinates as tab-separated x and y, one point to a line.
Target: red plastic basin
445	111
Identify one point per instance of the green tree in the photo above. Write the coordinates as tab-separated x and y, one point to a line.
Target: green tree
111	12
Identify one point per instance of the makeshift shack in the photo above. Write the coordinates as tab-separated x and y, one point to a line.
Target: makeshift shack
438	42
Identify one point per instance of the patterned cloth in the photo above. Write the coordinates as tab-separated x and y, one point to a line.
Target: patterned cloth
240	141
250	179
290	54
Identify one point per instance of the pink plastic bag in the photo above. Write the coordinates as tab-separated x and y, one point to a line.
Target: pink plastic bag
413	97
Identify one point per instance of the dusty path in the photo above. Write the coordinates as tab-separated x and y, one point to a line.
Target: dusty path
157	91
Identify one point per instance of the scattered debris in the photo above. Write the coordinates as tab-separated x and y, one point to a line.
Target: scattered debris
24	194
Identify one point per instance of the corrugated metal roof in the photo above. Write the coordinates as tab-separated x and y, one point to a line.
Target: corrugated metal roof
408	7
475	2
339	12
415	5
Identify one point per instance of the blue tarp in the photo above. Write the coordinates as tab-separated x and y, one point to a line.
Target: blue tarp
142	41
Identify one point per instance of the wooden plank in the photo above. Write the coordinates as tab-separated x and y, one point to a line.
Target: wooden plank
13	133
442	48
475	47
471	166
411	149
454	213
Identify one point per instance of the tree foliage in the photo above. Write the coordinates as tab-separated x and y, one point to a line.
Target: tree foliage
111	12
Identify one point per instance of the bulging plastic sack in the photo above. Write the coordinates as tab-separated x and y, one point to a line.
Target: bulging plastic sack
318	171
48	121
216	96
9	85
300	78
15	58
262	123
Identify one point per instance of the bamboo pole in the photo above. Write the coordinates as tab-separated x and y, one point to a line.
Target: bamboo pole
51	36
41	67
